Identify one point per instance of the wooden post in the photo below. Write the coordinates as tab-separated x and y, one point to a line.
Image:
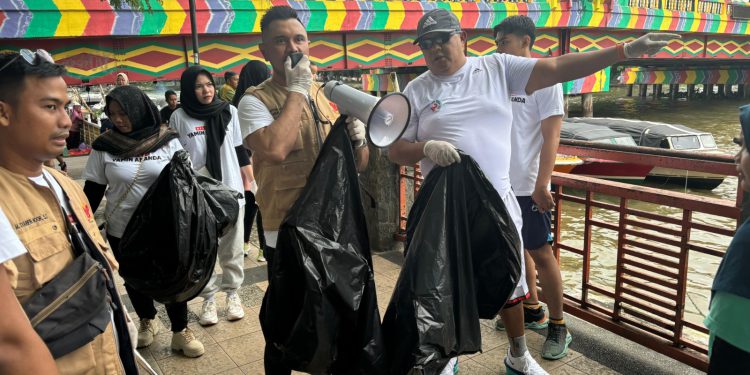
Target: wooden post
709	91
690	91
642	90
567	106
657	91
721	90
587	103
740	90
673	89
746	92
630	91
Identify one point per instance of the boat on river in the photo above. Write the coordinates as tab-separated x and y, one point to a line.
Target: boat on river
601	168
667	136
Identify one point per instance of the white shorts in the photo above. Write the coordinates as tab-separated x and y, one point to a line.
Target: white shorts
514	210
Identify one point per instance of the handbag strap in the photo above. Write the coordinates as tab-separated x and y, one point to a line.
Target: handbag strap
127	191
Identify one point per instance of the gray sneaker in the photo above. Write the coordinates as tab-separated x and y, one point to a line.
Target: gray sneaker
558	339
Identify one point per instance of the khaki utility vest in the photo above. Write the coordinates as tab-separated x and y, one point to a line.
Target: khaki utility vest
36	216
280	184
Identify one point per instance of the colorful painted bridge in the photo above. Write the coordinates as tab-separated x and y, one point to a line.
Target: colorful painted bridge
96	41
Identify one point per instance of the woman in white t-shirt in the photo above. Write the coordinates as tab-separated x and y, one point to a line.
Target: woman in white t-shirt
126	162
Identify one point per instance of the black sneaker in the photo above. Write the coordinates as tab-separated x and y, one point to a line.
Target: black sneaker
532	319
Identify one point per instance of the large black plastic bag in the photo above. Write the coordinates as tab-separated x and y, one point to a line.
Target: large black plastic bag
320	309
462	264
168	249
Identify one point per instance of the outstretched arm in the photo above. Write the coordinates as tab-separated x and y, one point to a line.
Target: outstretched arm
548	72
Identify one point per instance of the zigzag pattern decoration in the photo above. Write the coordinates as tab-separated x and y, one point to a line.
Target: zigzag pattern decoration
76	18
690	46
692	76
547	44
597	82
726	48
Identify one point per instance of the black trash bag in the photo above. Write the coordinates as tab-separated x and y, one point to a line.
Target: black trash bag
320	309
168	249
462	264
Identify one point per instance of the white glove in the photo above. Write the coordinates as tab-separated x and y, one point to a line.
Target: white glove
299	78
441	153
648	44
356	131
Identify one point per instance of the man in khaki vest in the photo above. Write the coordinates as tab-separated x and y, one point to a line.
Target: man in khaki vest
33	129
284	121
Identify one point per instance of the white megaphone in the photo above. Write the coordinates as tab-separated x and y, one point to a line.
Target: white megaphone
386	118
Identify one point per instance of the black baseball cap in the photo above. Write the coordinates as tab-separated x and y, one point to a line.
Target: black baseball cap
437	21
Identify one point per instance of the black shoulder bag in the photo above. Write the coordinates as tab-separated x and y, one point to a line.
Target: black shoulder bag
74	307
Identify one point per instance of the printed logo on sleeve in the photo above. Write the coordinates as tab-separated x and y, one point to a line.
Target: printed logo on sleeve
518	99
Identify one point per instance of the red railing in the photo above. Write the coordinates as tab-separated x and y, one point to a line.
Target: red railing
656	245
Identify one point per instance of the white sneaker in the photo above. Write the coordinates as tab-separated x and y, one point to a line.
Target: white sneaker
147	329
524	365
234	307
186	343
208	313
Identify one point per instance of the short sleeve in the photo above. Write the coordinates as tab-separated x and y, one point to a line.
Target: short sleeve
175	123
253	115
410	134
517	71
550	102
10	246
236	133
94	170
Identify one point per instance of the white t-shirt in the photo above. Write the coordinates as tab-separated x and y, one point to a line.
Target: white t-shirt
471	109
10	245
193	138
118	173
253	115
528	113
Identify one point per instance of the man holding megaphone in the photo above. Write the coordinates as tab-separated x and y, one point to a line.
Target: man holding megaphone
464	103
285	121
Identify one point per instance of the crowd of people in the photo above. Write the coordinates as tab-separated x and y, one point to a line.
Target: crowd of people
260	135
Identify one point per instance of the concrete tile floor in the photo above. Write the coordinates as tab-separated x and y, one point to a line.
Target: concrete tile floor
237	347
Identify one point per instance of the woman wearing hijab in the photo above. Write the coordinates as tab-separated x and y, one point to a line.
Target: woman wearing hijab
729	344
252	74
122	80
209	130
125	162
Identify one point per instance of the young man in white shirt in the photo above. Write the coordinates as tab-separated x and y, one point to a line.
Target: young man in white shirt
464	103
537	119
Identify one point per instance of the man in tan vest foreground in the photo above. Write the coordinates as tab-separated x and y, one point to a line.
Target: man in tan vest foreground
284	121
33	129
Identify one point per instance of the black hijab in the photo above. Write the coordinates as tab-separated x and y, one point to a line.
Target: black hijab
252	74
146	135
216	115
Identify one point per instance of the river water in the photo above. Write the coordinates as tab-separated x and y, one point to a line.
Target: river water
719	117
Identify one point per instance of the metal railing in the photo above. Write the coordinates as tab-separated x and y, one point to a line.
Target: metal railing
702	6
655	246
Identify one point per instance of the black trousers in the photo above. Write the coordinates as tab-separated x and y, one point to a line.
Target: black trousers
144	305
272	356
728	359
252	212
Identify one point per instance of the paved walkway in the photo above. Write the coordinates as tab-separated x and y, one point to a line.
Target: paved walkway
237	347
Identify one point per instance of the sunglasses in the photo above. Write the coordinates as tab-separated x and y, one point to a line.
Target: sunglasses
31	57
439	39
